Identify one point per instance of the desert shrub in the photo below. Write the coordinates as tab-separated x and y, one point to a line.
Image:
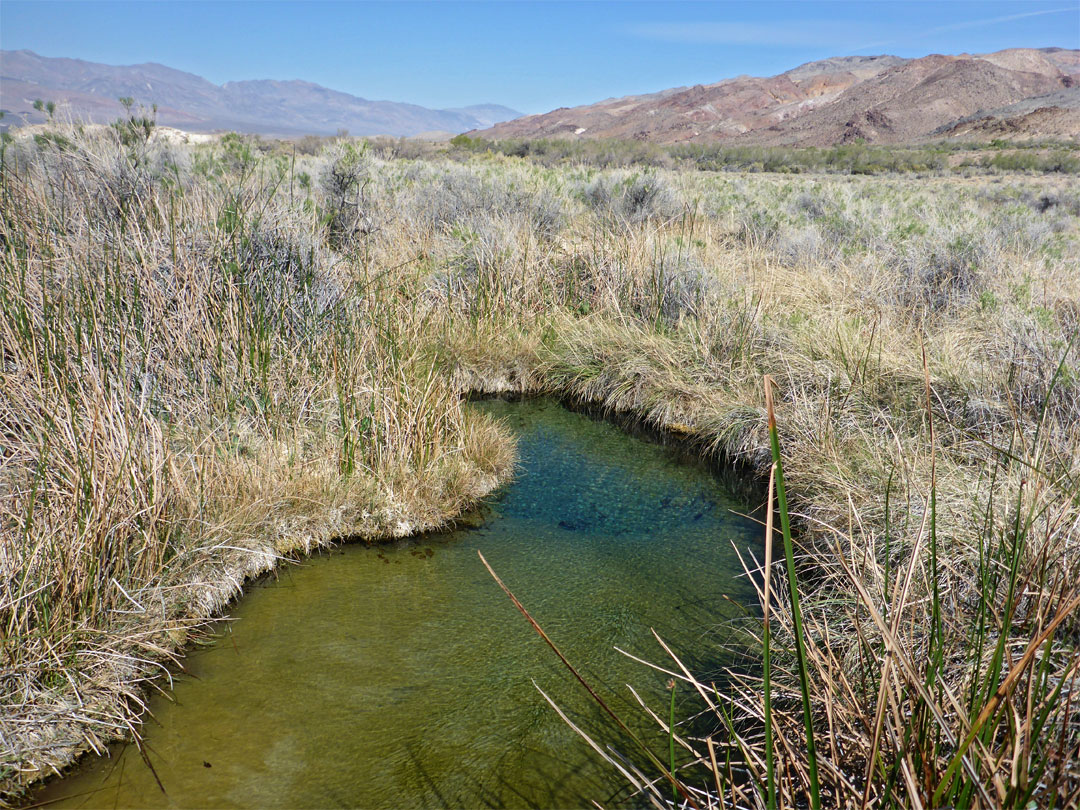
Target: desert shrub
135	130
674	286
346	170
109	175
285	273
801	245
943	270
1025	233
684	287
403	148
1056	201
170	163
812	205
647	197
757	226
853	158
312	144
1061	161
476	268
601	153
346	174
633	199
458	197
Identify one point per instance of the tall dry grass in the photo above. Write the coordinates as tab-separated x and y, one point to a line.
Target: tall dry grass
194	384
215	354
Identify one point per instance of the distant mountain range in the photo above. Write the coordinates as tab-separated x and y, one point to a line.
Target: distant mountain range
89	91
1016	93
1020	92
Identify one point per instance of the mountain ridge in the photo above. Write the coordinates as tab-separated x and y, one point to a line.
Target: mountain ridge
188	101
882	99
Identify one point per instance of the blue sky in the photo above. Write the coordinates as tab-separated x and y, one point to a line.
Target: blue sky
530	56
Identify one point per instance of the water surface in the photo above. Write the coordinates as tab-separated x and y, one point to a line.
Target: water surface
401	676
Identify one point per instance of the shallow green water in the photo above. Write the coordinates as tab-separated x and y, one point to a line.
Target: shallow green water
401	676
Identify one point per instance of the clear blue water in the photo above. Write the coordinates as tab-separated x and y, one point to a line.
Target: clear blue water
401	676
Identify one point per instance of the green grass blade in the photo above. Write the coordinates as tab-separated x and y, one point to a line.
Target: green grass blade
793	586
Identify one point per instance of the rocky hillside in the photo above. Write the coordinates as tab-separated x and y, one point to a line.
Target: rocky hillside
883	99
90	91
1053	115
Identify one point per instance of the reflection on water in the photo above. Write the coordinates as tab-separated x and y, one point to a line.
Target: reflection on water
401	676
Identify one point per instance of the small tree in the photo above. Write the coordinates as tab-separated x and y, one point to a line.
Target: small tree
47	107
345	178
136	127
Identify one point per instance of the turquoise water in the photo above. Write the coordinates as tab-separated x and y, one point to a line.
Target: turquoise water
401	676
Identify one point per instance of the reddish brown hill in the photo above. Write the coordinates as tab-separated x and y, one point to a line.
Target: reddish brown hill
881	99
912	100
724	109
1054	115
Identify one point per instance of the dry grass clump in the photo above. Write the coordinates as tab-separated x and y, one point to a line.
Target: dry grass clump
197	379
240	354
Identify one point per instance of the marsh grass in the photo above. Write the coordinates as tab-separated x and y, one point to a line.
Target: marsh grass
215	356
925	740
195	384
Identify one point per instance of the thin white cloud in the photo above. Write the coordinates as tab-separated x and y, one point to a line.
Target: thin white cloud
960	26
1007	18
791	32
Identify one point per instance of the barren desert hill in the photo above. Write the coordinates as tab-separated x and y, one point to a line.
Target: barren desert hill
912	100
883	99
1054	115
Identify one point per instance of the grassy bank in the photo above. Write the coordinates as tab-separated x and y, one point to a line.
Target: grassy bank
199	378
214	355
